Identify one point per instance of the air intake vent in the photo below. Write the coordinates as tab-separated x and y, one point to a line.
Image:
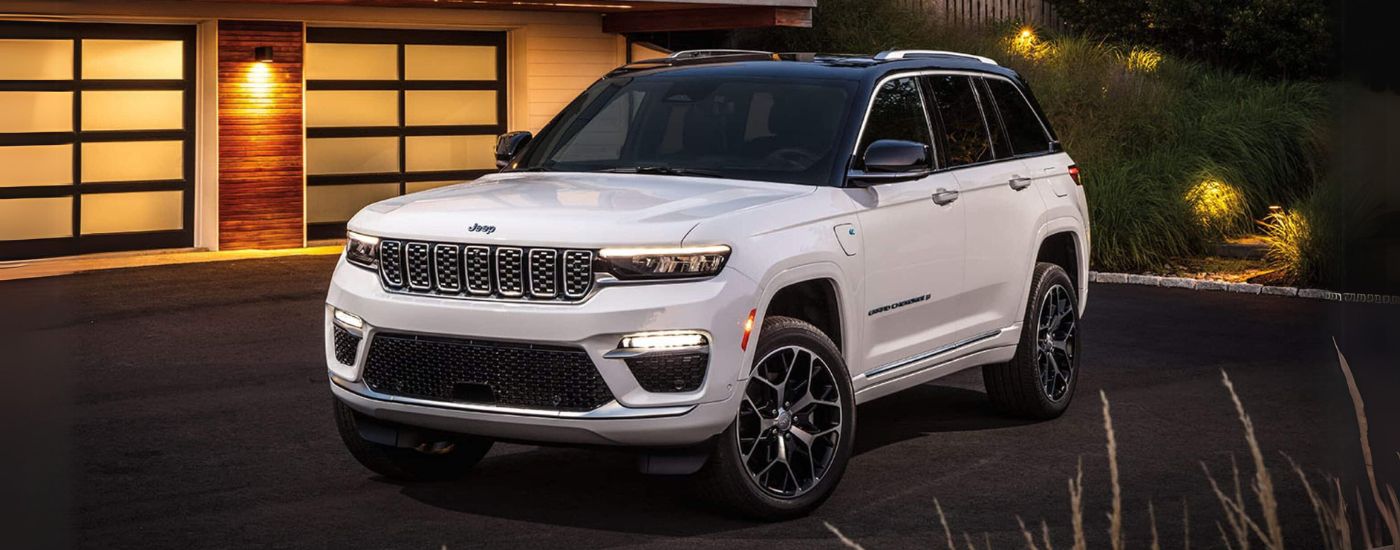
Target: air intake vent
479	271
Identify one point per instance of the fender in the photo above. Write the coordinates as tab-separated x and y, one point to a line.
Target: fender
1053	226
845	303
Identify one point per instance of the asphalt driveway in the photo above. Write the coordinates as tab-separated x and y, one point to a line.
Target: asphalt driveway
187	406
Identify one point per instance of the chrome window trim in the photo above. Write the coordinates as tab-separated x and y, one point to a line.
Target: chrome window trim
870	106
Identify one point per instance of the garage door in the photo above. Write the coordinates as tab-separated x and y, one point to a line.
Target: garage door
390	112
96	138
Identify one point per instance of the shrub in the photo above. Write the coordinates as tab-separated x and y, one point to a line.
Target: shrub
1144	125
1279	38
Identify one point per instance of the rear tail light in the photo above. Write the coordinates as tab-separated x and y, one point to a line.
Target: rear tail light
1074	174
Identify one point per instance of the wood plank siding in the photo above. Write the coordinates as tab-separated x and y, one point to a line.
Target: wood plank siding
563	55
261	165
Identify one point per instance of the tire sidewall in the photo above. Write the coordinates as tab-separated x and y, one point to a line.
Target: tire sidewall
778	333
1050	275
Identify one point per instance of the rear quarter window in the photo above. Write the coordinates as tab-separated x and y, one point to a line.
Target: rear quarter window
1022	125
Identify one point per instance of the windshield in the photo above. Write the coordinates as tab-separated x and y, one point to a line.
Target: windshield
767	129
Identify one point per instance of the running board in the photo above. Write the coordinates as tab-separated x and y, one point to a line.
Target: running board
890	367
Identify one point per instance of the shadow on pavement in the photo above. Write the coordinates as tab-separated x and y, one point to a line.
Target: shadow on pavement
601	489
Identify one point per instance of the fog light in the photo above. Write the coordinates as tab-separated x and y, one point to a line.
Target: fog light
349	319
663	340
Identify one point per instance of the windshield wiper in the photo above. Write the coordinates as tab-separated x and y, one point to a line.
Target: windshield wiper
664	171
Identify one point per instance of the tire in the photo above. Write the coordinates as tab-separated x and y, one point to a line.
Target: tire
449	458
1022	386
823	412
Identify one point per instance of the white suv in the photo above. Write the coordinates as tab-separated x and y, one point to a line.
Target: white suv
714	258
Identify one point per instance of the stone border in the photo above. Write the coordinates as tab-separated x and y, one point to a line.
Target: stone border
1242	288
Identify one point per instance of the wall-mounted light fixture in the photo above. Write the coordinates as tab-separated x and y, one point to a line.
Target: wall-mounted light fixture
263	54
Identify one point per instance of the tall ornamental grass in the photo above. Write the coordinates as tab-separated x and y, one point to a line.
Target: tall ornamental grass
1149	130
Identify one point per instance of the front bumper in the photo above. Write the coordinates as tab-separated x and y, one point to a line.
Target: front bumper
637	417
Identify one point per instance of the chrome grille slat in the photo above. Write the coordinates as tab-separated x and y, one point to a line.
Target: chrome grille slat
419	263
447	267
578	273
391	263
473	271
510	271
544	273
478	270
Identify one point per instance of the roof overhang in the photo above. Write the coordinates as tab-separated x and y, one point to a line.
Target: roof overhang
622	16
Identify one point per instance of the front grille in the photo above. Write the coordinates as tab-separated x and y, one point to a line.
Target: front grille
670	373
346	346
485	372
478	271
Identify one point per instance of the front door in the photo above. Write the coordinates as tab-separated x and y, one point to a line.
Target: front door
914	265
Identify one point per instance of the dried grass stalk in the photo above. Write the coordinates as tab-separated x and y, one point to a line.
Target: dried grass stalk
839	536
944	520
1115	517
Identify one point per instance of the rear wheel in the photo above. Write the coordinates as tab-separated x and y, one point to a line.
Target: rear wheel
791	439
1039	381
438	458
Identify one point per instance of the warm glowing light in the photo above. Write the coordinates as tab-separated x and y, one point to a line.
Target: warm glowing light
1143	61
748	329
1026	44
259	81
1218	206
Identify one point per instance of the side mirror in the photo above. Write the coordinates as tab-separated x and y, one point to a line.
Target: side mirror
508	145
892	155
890	160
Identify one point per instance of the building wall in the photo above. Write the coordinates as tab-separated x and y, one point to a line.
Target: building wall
256	195
261	169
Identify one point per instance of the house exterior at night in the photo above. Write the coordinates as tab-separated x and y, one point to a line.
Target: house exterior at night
157	124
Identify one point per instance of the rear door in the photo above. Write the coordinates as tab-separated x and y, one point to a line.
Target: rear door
1002	210
914	264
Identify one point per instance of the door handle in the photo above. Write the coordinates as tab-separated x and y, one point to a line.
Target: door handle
945	196
1019	183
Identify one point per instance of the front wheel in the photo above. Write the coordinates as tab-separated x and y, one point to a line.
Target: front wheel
791	439
1039	381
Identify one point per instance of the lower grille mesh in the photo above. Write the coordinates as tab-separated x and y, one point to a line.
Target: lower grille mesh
485	372
669	373
346	346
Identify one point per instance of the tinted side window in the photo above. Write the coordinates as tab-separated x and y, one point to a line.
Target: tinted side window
964	133
1022	124
898	113
1000	145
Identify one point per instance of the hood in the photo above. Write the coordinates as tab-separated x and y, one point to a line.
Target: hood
587	210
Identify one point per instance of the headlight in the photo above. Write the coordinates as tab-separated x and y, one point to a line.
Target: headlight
362	250
665	263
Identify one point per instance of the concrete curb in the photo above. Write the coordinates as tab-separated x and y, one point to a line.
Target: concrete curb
1241	288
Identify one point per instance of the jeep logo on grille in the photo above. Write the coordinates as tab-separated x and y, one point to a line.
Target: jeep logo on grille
478	228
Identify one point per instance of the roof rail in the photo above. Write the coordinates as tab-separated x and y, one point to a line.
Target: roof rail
893	55
694	54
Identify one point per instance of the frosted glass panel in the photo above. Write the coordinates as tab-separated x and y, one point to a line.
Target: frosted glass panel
125	212
352	155
133	59
36	59
36	165
132	161
133	110
36	112
36	218
414	187
352	108
352	61
426	153
337	203
423	62
438	108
